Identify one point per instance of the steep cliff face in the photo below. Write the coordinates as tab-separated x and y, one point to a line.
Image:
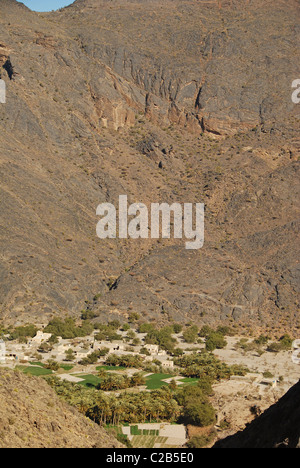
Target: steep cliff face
165	102
278	427
213	66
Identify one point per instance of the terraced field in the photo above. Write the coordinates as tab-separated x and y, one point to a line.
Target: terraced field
148	441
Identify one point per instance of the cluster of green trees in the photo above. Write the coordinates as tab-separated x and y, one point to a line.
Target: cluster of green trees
52	365
189	404
257	346
149	327
128	407
23	333
108	328
107	333
283	344
68	329
215	339
126	360
261	344
94	357
162	337
190	334
113	382
205	365
196	407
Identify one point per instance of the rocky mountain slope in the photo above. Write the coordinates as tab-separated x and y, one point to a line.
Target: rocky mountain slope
32	416
278	427
165	102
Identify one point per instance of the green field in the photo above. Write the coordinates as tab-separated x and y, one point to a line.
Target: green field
89	380
66	367
134	430
147	441
110	368
36	371
155	381
189	380
39	364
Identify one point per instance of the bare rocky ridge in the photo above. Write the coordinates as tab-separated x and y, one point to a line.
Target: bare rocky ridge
162	101
32	416
277	427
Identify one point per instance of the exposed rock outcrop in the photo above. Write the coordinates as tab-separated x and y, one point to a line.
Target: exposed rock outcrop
278	427
4	54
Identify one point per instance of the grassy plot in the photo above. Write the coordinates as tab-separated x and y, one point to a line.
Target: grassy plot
110	368
155	381
39	364
66	367
36	371
189	380
89	380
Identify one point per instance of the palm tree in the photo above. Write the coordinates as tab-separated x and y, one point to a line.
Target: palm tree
101	408
102	373
113	408
138	379
119	410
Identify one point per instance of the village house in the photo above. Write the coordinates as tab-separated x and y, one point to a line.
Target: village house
112	347
82	353
40	337
152	349
63	347
168	364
